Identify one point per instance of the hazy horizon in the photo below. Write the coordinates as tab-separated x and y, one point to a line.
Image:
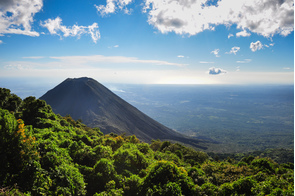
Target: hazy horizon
24	87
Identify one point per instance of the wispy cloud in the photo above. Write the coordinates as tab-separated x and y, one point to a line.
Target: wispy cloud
18	66
115	46
33	57
206	62
230	35
180	56
270	45
256	46
111	59
55	27
215	52
233	50
245	61
216	71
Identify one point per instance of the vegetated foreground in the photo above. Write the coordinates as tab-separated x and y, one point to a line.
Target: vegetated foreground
46	154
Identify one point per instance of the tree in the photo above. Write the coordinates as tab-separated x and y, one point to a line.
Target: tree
19	157
8	101
165	173
33	110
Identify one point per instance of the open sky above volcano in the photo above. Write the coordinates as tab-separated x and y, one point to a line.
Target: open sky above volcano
149	41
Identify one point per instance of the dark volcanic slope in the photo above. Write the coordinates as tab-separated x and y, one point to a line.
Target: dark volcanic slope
88	100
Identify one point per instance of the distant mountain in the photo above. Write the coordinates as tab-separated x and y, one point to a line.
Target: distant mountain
88	100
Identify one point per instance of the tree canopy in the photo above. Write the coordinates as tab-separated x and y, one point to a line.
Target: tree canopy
46	154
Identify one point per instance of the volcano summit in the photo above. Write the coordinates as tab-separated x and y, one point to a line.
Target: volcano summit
88	100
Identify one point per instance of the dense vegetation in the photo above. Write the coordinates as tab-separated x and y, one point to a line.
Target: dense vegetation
46	154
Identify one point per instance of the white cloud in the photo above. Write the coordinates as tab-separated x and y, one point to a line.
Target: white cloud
215	52
180	56
286	68
112	5
216	71
115	46
33	57
238	68
55	27
243	33
230	35
233	50
16	16
17	66
94	32
256	46
264	17
115	89
1	42
205	62
83	60
270	45
245	61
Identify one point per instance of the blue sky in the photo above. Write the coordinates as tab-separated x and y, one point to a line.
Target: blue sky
149	41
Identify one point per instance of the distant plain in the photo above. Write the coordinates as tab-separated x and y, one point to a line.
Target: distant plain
239	118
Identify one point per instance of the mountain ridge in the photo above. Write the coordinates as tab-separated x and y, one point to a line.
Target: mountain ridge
88	100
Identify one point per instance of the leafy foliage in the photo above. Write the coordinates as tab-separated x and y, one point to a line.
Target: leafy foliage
46	154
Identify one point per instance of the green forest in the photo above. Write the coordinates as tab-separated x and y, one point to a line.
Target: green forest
43	153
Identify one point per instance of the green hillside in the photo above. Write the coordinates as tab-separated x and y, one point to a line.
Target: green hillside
43	153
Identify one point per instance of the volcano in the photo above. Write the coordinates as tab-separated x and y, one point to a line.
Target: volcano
88	100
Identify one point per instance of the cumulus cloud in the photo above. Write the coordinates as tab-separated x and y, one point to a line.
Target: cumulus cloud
264	17
216	71
215	52
243	33
112	5
256	46
55	27
234	50
16	16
